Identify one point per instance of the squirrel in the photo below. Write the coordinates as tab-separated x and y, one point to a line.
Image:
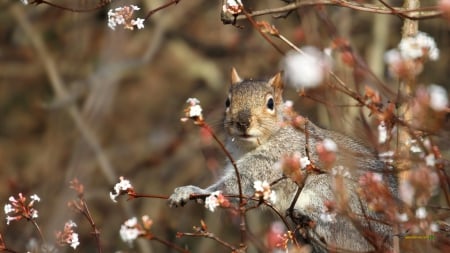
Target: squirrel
258	139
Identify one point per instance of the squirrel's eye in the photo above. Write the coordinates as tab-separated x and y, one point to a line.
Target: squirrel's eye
270	104
227	102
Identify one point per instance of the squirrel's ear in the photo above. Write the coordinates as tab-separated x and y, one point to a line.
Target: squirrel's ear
277	81
235	78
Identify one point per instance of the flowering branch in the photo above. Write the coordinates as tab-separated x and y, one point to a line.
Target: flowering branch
414	14
202	231
81	206
194	112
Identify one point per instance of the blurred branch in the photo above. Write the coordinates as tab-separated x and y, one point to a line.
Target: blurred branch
413	14
61	92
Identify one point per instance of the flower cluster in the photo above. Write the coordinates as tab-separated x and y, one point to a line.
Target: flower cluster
124	16
68	236
290	116
131	229
276	237
326	149
375	192
407	59
306	69
293	167
216	199
328	214
123	187
193	111
419	46
418	185
18	208
429	107
232	7
264	191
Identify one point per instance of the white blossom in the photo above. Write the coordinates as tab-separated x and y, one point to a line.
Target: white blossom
387	156
8	208
74	242
131	222
304	162
128	231
328	217
139	23
263	189
259	185
9	219
194	110
382	133
406	192
25	2
392	56
430	160
193	101
124	16
377	177
212	201
232	7
330	145
340	171
434	227
414	47
272	197
402	217
288	104
34	198
305	70
34	213
438	97
69	236
120	187
421	213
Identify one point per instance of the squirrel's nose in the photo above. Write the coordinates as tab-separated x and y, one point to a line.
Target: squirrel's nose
243	122
242	126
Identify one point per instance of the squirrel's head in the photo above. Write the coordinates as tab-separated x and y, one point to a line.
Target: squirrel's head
253	110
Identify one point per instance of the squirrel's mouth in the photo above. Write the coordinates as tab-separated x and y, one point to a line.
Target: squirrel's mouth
248	137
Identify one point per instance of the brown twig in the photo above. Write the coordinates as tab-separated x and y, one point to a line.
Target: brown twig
209	235
41	235
166	243
264	35
414	14
98	7
134	195
172	2
242	203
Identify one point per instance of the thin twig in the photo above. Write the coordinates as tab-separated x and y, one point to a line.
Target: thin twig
167	243
172	2
242	203
255	25
39	231
414	14
210	236
152	196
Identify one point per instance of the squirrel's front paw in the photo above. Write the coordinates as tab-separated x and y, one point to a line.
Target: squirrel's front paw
182	195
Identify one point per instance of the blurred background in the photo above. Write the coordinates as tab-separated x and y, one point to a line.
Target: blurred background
79	100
